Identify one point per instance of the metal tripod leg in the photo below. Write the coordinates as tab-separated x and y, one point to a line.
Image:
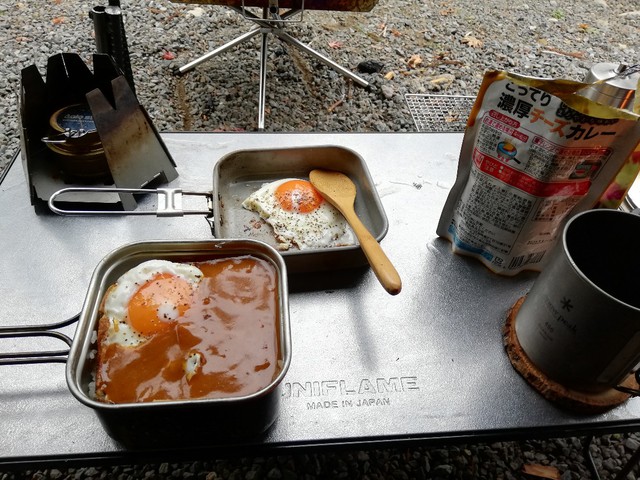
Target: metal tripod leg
264	26
255	30
223	48
277	29
326	60
263	75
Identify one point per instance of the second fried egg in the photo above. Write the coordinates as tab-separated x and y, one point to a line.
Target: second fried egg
299	215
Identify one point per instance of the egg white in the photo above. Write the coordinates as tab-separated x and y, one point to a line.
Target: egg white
321	228
116	303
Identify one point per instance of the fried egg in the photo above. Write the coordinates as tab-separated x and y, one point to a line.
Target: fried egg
148	299
299	215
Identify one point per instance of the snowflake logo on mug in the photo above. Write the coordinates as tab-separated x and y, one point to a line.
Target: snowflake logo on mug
566	304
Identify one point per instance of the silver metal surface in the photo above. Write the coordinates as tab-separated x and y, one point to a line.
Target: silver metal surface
425	365
439	113
239	174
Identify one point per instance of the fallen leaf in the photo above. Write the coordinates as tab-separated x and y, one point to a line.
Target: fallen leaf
541	471
414	61
445	78
330	27
583	26
168	55
390	75
335	105
472	41
335	44
58	20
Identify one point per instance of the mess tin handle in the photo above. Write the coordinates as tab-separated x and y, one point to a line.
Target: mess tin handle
34	331
169	202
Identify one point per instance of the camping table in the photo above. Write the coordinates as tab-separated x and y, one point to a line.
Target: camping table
368	369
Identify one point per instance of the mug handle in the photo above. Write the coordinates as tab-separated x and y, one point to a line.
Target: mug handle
634	392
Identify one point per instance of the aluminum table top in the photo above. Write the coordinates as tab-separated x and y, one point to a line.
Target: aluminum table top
425	365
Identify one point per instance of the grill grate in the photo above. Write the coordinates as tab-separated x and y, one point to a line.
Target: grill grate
439	113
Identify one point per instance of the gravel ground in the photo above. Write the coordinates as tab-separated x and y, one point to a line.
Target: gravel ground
421	46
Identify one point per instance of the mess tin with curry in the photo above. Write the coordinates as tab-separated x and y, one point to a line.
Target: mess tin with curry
212	405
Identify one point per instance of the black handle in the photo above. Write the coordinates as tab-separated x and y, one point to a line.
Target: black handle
634	392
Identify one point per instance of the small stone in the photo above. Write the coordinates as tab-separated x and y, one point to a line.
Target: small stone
370	66
632	444
388	91
274	474
610	464
443	469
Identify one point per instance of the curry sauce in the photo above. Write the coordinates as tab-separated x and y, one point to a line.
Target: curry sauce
225	344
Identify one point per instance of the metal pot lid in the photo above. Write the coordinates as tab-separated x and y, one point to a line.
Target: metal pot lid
611	85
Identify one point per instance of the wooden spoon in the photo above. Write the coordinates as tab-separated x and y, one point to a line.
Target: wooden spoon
339	191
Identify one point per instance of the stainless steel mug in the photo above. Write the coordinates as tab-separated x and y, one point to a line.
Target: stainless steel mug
580	322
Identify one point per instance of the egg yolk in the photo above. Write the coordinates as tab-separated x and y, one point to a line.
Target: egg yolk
156	304
298	196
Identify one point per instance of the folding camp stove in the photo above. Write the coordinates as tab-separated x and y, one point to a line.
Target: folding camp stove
87	129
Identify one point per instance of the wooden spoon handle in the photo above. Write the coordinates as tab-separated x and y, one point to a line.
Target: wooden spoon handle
380	264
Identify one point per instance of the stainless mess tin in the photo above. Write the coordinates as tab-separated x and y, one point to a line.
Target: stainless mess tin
184	422
240	173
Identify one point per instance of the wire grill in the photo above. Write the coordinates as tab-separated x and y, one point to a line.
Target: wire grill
439	113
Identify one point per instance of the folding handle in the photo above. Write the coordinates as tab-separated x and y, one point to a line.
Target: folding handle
34	331
169	202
